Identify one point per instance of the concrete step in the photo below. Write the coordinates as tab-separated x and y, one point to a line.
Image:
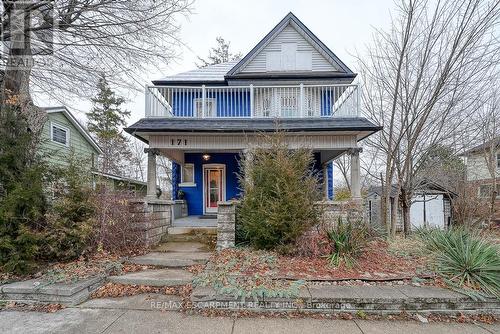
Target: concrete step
182	247
158	277
175	230
171	259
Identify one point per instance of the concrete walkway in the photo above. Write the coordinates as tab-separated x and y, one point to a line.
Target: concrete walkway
130	318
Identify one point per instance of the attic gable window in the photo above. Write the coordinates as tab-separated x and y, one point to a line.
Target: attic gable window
59	134
288	59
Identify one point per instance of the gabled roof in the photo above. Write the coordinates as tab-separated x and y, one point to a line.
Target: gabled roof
83	131
482	147
426	186
209	74
119	178
290	18
218	73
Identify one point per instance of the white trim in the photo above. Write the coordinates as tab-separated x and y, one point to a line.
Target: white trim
61	127
213	166
187	184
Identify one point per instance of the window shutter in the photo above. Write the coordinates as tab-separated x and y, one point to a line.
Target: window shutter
273	61
304	61
288	56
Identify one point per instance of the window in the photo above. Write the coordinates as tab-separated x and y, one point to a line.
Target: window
289	106
210	107
498	160
59	134
485	190
187	175
289	58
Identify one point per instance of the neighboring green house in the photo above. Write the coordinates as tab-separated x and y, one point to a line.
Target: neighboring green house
64	138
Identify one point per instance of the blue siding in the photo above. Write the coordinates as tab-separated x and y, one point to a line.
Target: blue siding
234	104
319	172
194	195
326	103
176	179
331	191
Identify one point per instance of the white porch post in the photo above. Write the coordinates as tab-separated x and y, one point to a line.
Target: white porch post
151	182
355	173
325	181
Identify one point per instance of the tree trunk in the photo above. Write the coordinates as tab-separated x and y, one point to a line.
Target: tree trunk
16	80
405	208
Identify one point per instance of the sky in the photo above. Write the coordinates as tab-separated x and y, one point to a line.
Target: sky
345	26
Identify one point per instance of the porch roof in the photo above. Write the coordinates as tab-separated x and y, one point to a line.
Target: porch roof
251	125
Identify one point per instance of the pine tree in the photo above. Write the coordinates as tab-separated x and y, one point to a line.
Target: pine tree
105	121
219	54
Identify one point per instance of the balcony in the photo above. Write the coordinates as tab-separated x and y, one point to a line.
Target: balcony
292	101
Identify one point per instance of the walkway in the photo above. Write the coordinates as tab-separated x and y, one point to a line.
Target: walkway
129	319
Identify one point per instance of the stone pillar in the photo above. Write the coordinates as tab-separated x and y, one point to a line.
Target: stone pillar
153	218
355	174
151	182
226	224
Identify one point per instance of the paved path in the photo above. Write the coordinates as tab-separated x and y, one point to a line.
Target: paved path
147	314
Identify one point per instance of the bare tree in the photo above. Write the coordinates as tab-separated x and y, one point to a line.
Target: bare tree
488	126
62	47
136	166
343	164
423	79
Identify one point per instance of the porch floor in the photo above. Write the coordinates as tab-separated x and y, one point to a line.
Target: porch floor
194	221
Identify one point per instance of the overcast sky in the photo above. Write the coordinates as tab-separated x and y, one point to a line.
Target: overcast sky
344	26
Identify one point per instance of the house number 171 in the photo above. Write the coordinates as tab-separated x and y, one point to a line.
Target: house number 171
178	142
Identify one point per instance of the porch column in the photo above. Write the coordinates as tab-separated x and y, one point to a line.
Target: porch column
151	182
325	181
355	173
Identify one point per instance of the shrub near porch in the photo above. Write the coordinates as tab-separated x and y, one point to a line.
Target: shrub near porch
279	191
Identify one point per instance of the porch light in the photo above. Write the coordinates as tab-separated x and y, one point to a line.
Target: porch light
206	157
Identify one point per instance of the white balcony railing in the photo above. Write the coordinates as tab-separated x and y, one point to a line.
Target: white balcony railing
253	101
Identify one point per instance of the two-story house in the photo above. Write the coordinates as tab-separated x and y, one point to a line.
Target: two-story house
204	119
483	170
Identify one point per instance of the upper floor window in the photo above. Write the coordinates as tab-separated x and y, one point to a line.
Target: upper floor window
210	107
289	59
498	160
289	107
59	134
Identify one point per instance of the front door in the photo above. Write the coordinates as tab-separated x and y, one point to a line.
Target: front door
213	187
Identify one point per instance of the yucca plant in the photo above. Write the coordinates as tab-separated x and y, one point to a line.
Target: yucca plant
348	240
466	260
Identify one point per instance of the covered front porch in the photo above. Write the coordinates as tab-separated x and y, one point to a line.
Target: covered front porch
203	179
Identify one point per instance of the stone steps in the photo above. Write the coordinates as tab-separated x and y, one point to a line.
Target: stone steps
171	259
36	291
176	230
158	277
353	299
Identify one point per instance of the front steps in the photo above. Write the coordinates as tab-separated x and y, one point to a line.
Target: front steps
170	259
176	230
157	277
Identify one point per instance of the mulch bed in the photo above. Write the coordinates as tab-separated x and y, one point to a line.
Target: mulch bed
375	264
